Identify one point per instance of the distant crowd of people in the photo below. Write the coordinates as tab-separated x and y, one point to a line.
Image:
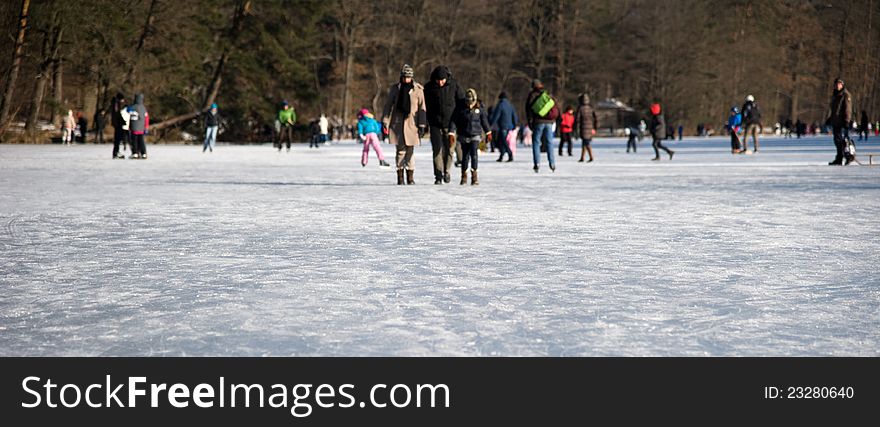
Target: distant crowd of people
459	126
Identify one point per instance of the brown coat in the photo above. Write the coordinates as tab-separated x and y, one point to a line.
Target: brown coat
405	126
841	108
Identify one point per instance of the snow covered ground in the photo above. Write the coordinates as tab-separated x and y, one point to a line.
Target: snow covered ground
250	252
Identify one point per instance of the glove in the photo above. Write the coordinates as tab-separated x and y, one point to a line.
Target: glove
489	136
451	139
421	132
593	131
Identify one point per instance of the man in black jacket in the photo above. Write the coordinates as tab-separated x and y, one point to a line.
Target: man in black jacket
841	116
442	95
751	122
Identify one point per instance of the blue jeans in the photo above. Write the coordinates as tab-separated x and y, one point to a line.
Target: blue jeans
210	138
545	131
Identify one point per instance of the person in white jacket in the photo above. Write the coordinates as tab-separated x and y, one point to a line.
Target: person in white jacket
68	124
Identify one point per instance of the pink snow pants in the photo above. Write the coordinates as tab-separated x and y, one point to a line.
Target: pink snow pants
372	141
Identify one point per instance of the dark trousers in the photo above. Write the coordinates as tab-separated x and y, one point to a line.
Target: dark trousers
441	150
734	141
631	142
658	145
138	144
565	138
469	148
286	133
841	133
120	136
501	140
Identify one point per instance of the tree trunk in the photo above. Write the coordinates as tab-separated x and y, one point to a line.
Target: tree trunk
348	49
241	10
57	91
130	76
16	65
51	46
39	86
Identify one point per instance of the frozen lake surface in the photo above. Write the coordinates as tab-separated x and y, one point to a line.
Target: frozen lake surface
249	252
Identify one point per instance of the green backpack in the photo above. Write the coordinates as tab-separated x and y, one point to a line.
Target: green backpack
543	104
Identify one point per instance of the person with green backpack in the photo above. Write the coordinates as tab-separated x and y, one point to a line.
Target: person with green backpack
541	113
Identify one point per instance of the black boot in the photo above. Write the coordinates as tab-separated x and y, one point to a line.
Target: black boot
409	177
400	177
446	177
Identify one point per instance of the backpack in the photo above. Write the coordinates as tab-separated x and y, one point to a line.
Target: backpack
543	104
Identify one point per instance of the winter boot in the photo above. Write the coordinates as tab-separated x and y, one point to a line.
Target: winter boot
409	177
463	176
384	164
446	177
671	153
400	177
474	179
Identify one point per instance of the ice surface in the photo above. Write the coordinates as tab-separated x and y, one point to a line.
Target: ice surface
247	251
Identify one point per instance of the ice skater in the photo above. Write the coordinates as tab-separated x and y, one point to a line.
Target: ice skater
368	132
285	122
68	124
658	124
212	123
468	124
587	124
733	124
139	125
632	135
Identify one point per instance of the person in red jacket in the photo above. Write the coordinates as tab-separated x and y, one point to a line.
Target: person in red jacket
566	127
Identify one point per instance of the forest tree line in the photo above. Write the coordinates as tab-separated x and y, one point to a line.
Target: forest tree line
698	58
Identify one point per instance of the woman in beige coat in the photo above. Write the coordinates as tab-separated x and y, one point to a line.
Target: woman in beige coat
404	117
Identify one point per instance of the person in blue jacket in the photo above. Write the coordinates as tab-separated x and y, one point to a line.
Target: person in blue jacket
368	133
733	124
469	122
503	118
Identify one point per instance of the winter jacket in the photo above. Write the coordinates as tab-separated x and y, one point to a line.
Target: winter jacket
734	122
441	102
287	117
504	116
368	125
467	122
841	108
566	122
139	119
212	119
585	120
116	117
404	128
751	114
324	125
531	117
658	126
68	122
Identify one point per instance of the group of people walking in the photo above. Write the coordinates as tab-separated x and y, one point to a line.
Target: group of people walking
458	122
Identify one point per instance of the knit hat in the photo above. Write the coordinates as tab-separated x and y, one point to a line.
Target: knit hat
214	105
406	71
442	74
363	112
502	95
537	83
655	109
838	80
